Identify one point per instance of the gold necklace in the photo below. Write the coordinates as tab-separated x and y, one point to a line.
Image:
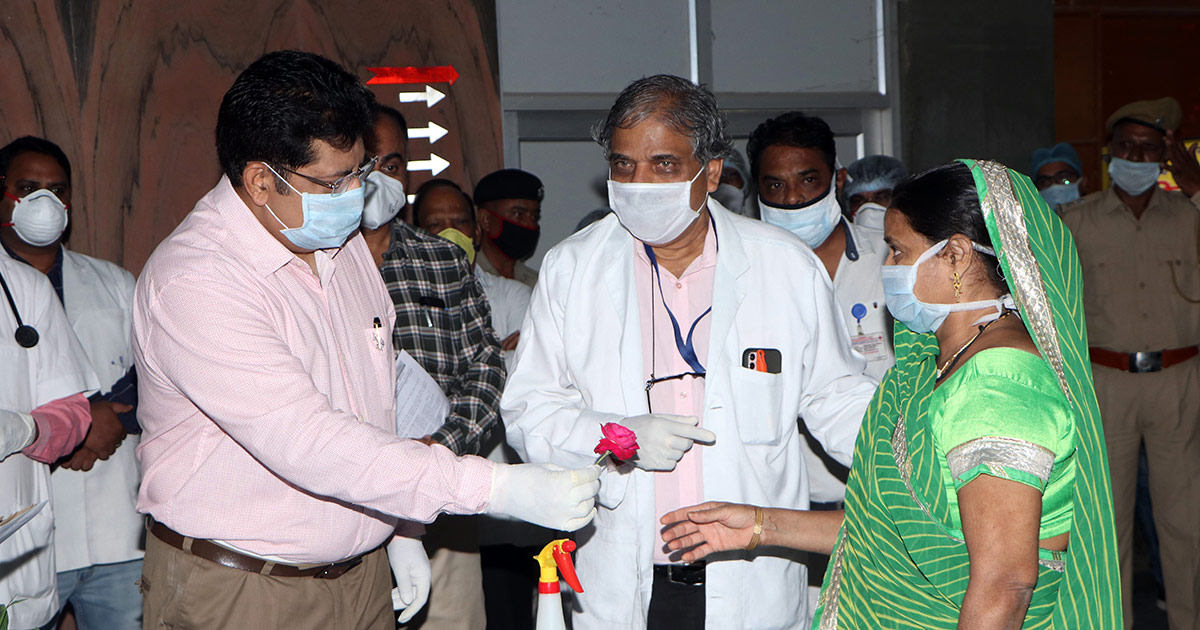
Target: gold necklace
941	371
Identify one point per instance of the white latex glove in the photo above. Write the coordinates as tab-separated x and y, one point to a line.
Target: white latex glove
17	430
545	494
410	567
664	438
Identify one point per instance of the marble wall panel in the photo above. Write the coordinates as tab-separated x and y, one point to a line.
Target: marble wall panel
130	90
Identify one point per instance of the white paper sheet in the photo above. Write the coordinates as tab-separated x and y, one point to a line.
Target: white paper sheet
11	523
421	407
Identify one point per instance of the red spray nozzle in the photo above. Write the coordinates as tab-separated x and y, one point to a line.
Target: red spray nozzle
557	555
562	557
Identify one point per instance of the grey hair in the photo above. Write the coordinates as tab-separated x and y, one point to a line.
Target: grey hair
686	108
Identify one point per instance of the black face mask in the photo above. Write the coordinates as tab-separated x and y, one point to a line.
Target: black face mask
515	241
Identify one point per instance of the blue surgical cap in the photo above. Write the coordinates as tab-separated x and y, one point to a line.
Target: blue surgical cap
1061	152
871	173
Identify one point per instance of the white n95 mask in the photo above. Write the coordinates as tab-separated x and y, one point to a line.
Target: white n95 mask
870	215
383	198
812	221
654	214
39	218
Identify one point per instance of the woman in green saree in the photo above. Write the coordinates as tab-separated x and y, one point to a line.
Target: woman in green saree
980	494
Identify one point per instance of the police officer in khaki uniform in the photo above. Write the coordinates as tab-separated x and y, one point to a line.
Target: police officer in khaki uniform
1138	245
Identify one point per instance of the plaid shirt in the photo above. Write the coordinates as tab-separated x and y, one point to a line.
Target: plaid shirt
443	320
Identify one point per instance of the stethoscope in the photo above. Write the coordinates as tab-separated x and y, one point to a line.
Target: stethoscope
26	335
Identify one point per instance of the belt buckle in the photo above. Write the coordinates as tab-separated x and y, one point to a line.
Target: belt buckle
688	575
1142	362
335	571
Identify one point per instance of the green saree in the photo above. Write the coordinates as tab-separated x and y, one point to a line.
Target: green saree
900	561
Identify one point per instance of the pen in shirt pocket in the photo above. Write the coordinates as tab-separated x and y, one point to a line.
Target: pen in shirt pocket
429	302
377	334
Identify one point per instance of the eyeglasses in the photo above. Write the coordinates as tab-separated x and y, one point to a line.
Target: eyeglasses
662	379
1061	177
341	184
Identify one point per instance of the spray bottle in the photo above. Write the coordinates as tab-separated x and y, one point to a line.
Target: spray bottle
555	557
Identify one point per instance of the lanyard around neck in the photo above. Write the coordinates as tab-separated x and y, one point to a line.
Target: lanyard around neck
686	348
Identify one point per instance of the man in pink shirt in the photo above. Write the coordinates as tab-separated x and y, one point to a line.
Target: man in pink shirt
271	468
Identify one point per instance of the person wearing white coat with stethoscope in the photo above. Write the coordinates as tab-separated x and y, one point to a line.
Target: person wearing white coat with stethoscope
97	529
707	334
43	416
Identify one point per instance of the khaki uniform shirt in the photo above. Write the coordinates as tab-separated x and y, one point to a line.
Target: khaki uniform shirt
1138	275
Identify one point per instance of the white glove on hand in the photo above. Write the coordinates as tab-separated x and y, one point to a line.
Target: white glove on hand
410	567
17	430
545	494
664	438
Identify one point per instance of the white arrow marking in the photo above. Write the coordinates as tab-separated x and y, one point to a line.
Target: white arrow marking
435	164
430	96
434	132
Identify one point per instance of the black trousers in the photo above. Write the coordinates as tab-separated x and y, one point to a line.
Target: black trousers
675	606
509	586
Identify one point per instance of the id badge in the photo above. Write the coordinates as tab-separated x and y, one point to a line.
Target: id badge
870	346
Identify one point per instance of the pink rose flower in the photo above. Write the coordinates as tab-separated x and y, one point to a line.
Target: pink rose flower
618	440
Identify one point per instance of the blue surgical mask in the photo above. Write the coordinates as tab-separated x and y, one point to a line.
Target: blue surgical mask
813	221
1059	194
1134	178
922	317
328	219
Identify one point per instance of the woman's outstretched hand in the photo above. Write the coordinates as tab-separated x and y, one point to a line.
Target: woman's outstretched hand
707	528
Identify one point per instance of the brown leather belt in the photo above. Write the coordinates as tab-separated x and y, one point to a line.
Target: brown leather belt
1139	362
224	556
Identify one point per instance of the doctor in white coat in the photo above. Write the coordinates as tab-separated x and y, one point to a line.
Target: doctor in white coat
707	334
793	161
97	530
44	387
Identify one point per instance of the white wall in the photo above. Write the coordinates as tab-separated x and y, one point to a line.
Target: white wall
563	46
794	46
572	171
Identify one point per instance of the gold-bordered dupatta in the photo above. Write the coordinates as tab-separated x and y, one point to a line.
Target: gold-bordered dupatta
895	563
1041	265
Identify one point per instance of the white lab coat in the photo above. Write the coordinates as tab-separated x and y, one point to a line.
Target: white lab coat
96	518
579	365
55	368
509	301
858	282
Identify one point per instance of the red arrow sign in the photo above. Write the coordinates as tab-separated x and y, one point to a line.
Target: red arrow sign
413	74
